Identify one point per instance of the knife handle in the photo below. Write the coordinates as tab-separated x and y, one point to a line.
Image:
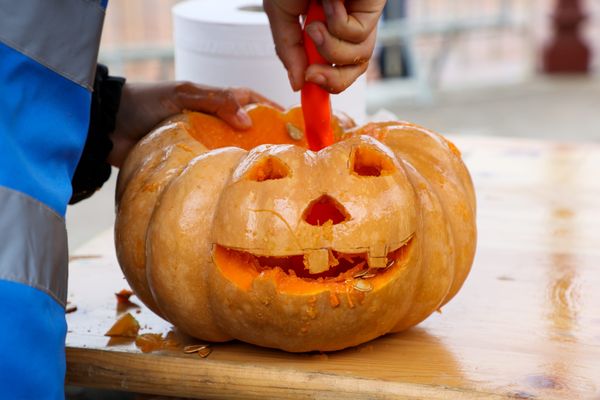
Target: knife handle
316	105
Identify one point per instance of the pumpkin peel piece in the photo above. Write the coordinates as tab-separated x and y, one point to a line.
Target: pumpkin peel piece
125	326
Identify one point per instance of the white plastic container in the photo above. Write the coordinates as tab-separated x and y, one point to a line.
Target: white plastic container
228	43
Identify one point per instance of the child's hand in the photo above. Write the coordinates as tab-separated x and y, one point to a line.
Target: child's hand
145	105
347	40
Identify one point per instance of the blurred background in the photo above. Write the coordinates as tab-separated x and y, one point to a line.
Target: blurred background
460	67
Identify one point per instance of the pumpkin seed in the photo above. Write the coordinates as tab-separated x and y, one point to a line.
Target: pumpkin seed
365	274
360	274
390	263
205	352
195	348
362	286
294	132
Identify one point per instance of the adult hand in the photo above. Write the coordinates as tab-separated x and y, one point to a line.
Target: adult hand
143	106
346	41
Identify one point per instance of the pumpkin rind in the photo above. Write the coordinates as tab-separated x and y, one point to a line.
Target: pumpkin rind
179	250
193	225
153	163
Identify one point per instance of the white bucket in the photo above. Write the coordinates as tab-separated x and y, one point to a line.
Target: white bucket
228	43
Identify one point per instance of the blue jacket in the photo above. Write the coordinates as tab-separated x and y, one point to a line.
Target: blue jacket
48	52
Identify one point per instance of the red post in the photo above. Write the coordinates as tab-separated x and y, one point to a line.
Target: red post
567	52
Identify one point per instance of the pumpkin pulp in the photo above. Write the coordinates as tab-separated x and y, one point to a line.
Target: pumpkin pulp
269	126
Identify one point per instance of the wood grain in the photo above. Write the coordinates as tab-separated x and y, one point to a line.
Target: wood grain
525	325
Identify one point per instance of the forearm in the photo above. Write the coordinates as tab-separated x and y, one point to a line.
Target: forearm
120	118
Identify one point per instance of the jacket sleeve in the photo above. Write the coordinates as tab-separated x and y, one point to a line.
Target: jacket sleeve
93	169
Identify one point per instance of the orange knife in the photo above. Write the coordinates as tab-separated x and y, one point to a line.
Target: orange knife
316	106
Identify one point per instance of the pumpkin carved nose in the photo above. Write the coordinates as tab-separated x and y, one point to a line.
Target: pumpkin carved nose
324	209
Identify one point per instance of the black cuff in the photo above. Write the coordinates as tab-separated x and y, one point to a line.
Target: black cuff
93	169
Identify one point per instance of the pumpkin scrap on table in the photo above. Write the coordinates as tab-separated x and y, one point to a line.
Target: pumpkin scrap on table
248	235
123	302
126	326
149	342
123	296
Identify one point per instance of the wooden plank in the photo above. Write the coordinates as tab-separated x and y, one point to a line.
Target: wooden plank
155	374
526	324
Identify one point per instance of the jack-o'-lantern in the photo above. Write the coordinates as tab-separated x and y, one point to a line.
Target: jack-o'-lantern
248	235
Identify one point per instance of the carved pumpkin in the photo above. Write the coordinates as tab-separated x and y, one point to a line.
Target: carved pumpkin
283	247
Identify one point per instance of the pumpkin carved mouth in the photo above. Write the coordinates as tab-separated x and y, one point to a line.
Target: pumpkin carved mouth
342	266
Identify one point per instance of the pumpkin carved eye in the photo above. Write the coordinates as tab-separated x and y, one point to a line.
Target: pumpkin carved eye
268	168
367	161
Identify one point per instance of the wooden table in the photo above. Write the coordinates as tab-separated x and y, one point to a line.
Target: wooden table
526	324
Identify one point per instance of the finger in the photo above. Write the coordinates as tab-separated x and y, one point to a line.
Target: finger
201	98
337	51
231	111
354	20
287	35
247	96
228	104
216	101
335	79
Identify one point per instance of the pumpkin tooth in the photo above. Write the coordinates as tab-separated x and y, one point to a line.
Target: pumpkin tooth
377	257
376	262
316	261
